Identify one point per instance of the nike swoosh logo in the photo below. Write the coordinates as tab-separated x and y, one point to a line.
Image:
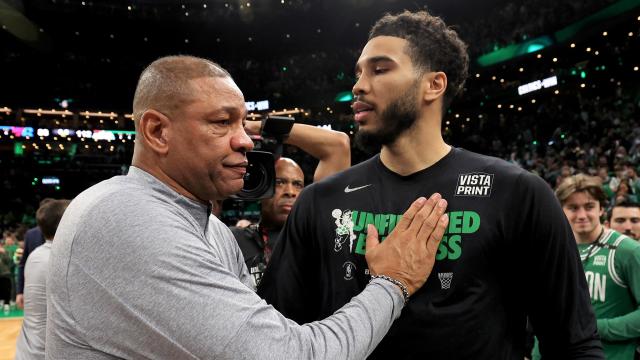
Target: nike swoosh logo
348	189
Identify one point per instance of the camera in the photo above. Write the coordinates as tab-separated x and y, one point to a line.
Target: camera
260	179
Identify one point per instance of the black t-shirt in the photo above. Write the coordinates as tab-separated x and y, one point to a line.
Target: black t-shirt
508	253
255	243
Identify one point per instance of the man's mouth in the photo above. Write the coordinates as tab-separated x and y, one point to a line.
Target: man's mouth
240	167
287	205
361	109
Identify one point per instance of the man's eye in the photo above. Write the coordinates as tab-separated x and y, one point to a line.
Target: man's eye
380	70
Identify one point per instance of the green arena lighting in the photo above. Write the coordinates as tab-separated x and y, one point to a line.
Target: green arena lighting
531	48
17	149
344	96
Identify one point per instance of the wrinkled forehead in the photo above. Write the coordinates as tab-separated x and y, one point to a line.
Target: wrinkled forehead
218	93
221	86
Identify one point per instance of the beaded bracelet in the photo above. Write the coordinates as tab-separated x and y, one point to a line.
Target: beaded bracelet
405	291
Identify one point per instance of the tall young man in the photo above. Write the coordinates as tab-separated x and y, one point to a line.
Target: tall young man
611	263
507	254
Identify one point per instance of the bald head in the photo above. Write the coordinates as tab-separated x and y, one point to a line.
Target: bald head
189	116
165	84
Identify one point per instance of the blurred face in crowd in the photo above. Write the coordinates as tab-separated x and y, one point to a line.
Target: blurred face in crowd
9	239
623	189
583	212
207	141
603	173
289	183
626	220
386	92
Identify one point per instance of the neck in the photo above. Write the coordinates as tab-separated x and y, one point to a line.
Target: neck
162	176
590	237
417	148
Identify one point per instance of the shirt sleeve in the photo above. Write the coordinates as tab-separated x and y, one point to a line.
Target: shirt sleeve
627	326
557	297
23	261
171	298
289	281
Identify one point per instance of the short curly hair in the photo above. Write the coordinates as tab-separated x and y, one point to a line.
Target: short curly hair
433	46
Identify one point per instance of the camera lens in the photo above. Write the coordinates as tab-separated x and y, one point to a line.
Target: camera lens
259	180
255	177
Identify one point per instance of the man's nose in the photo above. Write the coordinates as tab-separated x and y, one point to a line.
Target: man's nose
361	86
241	141
290	190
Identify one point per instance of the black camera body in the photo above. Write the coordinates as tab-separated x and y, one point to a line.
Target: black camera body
260	179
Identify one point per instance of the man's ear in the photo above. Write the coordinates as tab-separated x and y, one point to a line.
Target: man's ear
154	130
434	84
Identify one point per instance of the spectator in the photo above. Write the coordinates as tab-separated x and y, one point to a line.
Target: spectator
31	341
611	263
32	239
624	217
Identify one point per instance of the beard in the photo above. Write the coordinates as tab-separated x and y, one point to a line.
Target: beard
398	117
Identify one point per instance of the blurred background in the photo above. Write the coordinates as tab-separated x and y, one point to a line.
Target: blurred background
553	85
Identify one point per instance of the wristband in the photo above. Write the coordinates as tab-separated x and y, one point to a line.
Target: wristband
405	291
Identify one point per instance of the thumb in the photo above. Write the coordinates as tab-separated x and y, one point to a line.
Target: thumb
372	237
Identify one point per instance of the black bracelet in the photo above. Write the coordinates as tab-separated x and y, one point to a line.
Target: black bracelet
405	291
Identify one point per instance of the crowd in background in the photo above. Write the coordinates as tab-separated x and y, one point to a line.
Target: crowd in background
595	132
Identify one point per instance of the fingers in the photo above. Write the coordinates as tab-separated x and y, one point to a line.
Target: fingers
372	237
408	215
424	214
431	222
436	235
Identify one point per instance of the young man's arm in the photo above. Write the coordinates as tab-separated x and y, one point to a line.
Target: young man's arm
625	327
331	148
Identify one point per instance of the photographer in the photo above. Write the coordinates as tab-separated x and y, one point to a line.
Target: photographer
331	148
